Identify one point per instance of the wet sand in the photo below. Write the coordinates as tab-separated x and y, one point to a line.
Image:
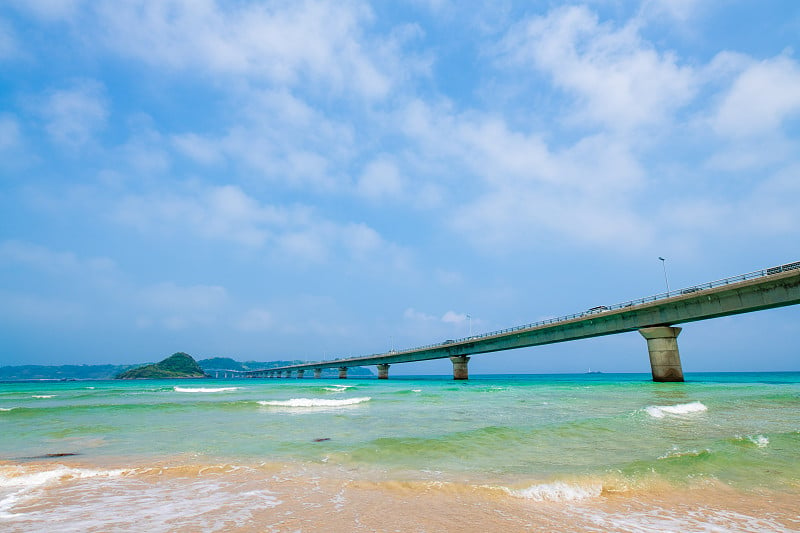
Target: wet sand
77	496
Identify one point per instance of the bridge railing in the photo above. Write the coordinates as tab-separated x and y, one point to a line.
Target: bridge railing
601	309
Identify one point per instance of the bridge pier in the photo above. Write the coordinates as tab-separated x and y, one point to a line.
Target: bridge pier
665	360
317	373
342	372
300	374
460	370
383	371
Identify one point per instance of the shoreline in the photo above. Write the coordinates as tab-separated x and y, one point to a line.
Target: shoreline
252	496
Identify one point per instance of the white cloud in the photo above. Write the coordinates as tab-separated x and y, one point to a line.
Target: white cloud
451	317
283	43
760	100
74	115
619	81
279	138
224	213
34	256
380	179
528	192
679	10
228	214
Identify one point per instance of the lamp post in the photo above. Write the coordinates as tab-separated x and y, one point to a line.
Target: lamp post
469	319
664	264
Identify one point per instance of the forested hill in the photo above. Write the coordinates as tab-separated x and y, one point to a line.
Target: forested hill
178	365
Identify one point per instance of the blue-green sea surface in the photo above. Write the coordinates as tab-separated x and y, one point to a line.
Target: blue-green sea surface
737	430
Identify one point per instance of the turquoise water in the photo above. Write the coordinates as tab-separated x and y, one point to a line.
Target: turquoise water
743	429
731	440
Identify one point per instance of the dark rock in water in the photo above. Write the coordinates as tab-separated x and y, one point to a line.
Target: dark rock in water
47	456
322	439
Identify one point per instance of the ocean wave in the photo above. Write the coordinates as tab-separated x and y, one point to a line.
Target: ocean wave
204	389
314	402
43	396
557	492
128	500
18	484
660	411
759	440
675	453
8	408
338	388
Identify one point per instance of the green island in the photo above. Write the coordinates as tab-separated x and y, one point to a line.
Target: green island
177	365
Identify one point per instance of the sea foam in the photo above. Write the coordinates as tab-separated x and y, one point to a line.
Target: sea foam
557	492
17	485
660	411
314	402
202	389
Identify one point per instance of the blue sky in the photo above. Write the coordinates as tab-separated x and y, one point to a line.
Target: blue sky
305	180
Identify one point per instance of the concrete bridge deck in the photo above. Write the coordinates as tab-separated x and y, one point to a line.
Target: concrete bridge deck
654	317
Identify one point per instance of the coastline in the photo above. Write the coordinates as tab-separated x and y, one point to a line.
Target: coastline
190	495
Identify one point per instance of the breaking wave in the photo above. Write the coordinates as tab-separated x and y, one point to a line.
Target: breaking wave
557	492
660	411
202	389
314	402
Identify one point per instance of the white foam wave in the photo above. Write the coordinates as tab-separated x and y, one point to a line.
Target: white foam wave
17	485
119	500
43	395
315	402
557	492
7	408
338	388
660	411
759	440
205	389
416	390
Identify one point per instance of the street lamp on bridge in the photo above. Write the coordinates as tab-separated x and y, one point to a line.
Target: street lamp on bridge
664	264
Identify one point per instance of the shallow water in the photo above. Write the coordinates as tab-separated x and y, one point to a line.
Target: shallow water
716	453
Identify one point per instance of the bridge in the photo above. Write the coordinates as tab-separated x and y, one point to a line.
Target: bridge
654	317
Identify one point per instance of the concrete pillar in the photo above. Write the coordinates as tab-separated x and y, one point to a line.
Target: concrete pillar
288	373
342	372
300	374
460	370
383	371
317	373
665	361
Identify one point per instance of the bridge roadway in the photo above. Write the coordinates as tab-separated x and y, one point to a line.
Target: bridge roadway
654	317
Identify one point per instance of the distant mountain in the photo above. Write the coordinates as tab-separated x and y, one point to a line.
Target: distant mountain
178	365
208	366
36	372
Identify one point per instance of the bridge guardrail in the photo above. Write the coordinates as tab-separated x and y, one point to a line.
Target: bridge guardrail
596	310
662	296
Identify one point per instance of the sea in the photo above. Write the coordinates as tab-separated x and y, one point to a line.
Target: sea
584	452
